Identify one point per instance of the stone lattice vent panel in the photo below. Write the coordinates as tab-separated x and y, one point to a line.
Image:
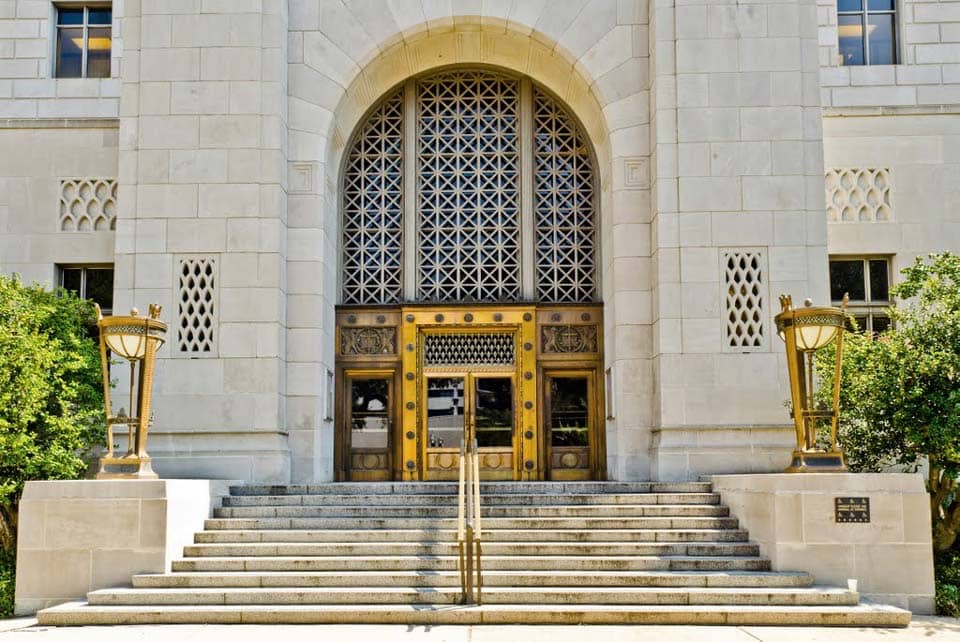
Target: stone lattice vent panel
858	195
88	204
197	306
745	312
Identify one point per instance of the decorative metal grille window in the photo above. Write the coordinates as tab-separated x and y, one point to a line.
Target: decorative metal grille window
196	331
486	349
88	205
469	187
745	286
565	232
373	209
444	200
858	195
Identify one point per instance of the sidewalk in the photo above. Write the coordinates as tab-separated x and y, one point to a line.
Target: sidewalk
922	629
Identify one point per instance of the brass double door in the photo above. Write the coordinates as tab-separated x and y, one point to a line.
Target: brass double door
415	383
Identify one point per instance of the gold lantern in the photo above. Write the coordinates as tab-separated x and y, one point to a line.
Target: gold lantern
137	340
804	331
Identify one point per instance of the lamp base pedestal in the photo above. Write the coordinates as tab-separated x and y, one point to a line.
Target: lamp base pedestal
131	467
817	461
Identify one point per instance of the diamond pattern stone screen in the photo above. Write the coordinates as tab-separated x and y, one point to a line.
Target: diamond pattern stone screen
563	197
196	330
858	195
475	349
88	205
745	284
468	179
373	209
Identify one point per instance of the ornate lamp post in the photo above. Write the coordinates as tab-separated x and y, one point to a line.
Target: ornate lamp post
137	340
805	330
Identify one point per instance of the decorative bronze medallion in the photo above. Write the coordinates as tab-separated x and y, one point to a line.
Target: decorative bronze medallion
528	405
585	316
528	376
365	341
468	317
411	376
528	434
411	465
411	434
351	319
409	347
381	318
438	318
498	317
568	338
555	317
528	346
528	464
527	316
410	318
411	405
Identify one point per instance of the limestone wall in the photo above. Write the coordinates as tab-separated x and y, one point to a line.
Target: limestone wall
39	164
792	517
80	536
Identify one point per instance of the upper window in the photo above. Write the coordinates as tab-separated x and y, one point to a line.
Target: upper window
84	40
93	283
867	32
867	282
498	205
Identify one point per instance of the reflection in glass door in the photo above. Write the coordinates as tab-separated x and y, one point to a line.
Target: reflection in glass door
470	406
568	418
368	422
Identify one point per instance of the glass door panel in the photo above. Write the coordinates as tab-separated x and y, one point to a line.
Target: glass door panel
369	409
446	407
569	410
493	425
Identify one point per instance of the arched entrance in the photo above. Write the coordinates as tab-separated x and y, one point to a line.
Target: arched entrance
469	285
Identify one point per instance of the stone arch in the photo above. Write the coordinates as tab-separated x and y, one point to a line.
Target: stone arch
589	63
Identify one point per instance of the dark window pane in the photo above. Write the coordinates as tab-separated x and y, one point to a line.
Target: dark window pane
98	53
70	16
851	39
847	277
494	412
569	412
70	53
72	280
445	412
882	45
881	323
100	16
849	5
881	5
369	413
100	287
861	324
879	285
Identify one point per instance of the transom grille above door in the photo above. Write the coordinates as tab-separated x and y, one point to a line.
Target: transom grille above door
469	186
469	349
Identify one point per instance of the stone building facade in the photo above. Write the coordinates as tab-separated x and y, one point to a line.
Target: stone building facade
728	145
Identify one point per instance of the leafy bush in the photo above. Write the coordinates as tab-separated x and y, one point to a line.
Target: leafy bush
947	567
51	395
7	576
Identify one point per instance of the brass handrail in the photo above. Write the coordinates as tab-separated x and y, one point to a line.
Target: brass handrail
468	524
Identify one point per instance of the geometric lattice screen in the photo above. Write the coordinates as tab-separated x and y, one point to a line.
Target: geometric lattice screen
373	209
487	349
197	306
468	170
563	180
88	205
470	240
858	195
745	286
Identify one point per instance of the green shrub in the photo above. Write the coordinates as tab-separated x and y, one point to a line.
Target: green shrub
51	398
947	567
7	575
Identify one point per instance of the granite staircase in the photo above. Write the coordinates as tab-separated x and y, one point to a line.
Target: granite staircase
553	553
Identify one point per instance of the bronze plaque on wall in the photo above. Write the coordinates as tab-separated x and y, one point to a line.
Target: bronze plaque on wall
852	510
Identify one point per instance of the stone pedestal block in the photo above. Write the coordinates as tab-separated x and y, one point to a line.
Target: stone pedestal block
794	519
80	536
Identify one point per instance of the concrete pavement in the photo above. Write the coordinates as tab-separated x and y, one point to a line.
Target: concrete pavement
921	629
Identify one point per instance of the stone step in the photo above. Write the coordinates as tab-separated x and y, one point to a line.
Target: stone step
866	614
489	535
433	512
486	488
490	562
702	579
604	499
342	549
549	523
816	596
